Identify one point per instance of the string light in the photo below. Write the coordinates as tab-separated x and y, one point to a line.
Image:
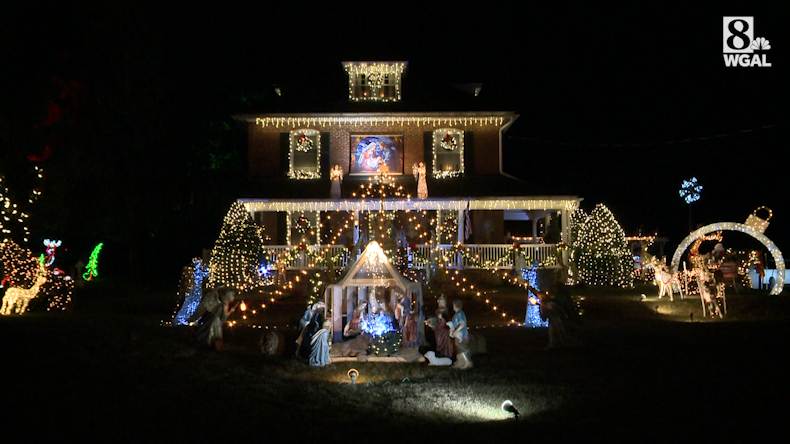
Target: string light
299	141
235	257
600	251
92	269
733	226
433	120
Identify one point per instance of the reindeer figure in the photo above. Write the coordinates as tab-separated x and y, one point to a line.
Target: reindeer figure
16	299
711	289
664	278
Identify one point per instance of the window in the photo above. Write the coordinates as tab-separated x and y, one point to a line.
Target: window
374	81
305	154
448	153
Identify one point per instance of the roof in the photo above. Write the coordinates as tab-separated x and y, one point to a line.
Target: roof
473	186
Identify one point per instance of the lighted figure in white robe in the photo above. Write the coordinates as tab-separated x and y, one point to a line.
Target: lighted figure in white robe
422	186
319	346
336	176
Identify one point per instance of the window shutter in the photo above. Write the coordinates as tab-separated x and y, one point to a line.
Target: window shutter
427	137
469	153
285	148
326	138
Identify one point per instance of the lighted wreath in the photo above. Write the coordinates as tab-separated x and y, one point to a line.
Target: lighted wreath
449	143
303	224
375	79
304	144
450	225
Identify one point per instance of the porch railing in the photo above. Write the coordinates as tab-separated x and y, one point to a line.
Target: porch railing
471	256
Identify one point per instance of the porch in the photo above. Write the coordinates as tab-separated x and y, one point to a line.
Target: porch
465	257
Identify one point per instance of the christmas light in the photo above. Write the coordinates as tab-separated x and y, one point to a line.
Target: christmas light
92	269
733	226
302	142
466	120
600	252
235	258
690	190
191	290
445	143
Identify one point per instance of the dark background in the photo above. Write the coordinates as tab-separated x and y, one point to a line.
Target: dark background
618	104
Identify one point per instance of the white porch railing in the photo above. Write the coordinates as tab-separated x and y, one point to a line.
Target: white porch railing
473	256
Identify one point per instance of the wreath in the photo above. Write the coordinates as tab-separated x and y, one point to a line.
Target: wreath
303	224
375	79
450	225
304	144
449	143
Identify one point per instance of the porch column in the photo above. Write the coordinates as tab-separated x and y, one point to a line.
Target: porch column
566	233
337	313
362	293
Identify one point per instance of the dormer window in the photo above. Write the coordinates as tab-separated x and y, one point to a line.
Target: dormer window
374	81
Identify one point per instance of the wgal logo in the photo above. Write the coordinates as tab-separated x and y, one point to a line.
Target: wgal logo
740	44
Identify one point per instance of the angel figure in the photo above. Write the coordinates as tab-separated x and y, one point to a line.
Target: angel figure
419	175
336	176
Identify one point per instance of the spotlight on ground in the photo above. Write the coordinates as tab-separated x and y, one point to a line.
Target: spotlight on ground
507	406
353	374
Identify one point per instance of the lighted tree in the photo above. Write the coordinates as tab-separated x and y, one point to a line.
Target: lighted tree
92	269
600	253
235	258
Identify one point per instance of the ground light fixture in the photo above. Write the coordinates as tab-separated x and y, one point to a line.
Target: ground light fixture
508	407
353	374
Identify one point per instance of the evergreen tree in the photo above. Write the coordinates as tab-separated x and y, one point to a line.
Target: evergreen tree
601	254
235	258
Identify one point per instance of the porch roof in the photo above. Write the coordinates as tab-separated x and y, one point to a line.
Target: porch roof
567	203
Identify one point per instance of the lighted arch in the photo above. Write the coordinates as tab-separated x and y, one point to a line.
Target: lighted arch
734	226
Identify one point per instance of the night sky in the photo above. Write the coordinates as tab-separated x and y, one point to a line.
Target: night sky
617	104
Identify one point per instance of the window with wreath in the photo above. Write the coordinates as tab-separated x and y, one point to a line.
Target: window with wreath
374	81
448	153
305	154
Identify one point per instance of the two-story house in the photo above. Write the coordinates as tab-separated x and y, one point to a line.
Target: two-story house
378	133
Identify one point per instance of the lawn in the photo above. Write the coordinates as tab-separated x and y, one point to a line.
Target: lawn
110	371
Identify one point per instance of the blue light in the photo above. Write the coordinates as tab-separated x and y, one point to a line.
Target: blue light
192	299
533	318
376	324
690	190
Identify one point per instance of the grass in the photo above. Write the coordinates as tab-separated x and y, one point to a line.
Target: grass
108	370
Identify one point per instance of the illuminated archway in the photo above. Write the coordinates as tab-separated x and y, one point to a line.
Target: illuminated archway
733	226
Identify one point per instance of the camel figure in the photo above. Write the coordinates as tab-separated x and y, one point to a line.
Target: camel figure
16	299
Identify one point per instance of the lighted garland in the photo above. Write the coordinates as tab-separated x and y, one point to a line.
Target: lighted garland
449	143
304	144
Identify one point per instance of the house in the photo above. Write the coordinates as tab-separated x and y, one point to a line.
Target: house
378	135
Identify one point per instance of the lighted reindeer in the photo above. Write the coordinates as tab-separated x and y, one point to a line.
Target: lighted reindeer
16	299
664	278
711	286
